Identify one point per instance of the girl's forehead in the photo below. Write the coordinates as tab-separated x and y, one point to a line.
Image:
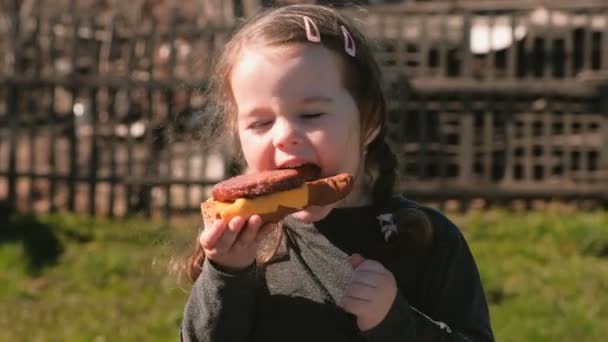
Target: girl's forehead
289	57
286	70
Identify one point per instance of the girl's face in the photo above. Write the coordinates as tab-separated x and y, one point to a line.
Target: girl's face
292	108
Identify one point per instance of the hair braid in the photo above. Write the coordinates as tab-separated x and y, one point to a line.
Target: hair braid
384	162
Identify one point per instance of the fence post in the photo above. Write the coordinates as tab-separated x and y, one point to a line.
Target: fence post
603	149
13	120
12	144
465	150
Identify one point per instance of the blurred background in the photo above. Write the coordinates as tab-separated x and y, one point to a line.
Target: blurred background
498	113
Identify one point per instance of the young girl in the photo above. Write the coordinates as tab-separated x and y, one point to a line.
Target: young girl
299	85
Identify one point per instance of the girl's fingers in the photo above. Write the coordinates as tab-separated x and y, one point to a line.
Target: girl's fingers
248	234
361	291
355	306
356	260
211	235
371	278
372	266
230	234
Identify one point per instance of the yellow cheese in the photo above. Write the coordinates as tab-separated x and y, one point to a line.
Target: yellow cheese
294	198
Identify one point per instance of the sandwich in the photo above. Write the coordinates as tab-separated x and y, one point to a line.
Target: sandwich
274	194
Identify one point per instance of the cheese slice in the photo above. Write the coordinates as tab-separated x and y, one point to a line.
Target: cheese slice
245	207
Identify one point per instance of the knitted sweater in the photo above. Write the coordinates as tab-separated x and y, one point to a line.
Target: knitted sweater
297	297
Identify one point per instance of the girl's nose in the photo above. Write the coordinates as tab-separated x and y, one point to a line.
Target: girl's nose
286	136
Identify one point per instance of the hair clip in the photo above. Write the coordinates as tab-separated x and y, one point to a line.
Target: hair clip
349	42
312	31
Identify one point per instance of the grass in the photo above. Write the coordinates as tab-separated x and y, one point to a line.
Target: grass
102	281
545	273
70	278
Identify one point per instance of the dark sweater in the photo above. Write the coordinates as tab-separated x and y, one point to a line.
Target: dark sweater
297	297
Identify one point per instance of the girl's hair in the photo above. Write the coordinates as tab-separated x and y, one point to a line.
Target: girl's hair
361	77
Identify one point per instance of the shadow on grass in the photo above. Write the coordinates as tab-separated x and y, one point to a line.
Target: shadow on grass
40	245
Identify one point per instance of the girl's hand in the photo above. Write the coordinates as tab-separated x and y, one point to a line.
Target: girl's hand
371	292
233	245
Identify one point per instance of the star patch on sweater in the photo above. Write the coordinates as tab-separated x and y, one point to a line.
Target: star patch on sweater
387	226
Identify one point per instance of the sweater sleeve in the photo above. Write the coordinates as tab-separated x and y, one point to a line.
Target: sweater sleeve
220	306
456	308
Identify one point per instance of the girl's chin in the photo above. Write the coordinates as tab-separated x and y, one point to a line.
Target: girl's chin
312	213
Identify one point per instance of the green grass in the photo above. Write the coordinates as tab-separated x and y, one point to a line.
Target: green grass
545	273
103	280
69	278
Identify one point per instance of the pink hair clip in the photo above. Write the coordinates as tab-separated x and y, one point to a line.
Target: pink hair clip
312	31
349	42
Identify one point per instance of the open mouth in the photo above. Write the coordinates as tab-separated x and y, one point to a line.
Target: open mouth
308	171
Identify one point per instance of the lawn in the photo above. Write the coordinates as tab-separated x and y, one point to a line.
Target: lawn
71	278
67	278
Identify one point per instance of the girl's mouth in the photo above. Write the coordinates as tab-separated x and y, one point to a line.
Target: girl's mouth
309	171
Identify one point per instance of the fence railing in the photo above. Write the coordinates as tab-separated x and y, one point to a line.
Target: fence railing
105	118
539	43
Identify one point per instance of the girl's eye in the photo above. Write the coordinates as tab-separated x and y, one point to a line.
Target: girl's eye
259	124
311	116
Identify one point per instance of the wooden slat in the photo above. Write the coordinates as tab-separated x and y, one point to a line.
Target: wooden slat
442	51
490	59
131	58
94	148
52	159
73	151
428	190
113	165
587	43
567	156
548	146
150	162
53	130
603	149
466	70
465	167
155	181
569	69
12	108
528	161
604	44
424	47
509	137
169	95
93	153
13	133
423	139
584	147
84	81
503	87
488	139
415	7
443	153
188	154
549	48
511	54
32	133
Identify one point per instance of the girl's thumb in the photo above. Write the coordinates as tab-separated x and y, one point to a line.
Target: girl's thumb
356	260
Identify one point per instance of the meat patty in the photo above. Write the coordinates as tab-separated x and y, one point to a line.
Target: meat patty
253	185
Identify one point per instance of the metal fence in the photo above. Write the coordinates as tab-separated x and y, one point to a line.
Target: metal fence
102	116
